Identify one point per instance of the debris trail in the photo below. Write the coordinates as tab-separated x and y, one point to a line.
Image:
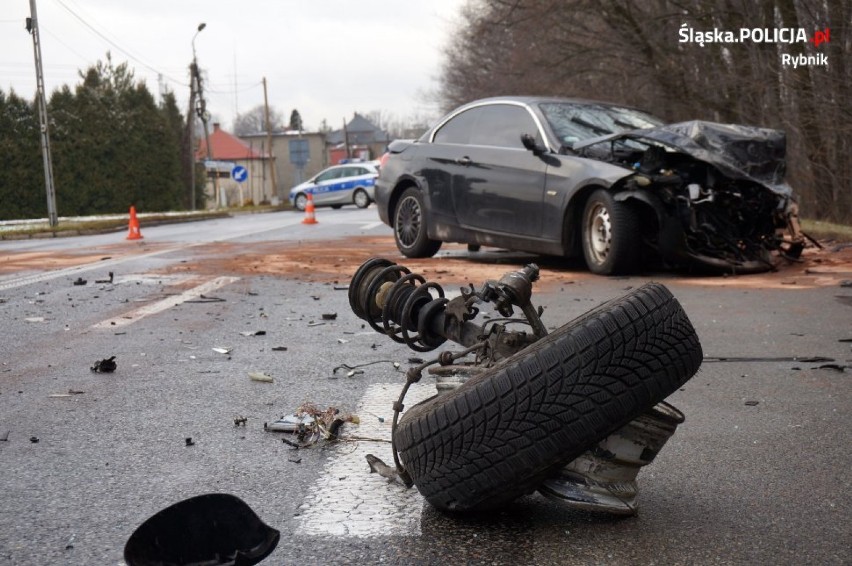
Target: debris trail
347	499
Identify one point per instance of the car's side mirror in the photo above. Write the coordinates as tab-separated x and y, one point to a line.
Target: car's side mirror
530	143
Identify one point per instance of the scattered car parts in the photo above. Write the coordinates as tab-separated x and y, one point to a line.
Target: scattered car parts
561	412
107	365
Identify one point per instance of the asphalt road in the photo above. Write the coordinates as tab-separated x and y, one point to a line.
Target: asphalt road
758	474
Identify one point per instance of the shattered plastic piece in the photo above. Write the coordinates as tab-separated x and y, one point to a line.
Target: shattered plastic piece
240	421
71	393
107	365
290	423
379	467
80	281
35	319
189	441
5	436
219	350
836	367
355	372
260	376
254	333
206	299
329	316
111	276
846	283
215	529
316	323
342	341
311	424
34	439
751	403
279	348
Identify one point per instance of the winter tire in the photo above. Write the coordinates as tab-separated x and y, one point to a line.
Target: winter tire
409	226
500	434
610	235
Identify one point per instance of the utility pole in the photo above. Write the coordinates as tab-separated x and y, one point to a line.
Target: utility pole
271	159
346	141
32	28
201	109
190	116
190	125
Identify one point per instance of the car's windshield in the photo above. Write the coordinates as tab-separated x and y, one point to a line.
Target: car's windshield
574	122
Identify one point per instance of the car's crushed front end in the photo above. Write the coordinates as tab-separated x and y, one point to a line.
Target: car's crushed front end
718	191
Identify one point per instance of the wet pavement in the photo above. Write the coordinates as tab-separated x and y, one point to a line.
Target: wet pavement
756	474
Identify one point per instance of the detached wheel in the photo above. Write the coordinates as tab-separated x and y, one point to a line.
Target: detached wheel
301	201
610	235
361	198
501	433
409	226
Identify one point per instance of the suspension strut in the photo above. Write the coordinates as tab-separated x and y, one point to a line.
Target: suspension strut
412	311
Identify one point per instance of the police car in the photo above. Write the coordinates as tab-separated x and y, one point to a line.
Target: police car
349	183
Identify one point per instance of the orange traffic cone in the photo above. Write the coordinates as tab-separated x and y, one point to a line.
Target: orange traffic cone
134	233
310	217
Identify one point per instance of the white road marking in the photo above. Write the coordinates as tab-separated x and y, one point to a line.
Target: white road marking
70	271
165	304
372	225
346	499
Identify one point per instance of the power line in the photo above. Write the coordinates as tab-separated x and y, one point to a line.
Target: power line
118	47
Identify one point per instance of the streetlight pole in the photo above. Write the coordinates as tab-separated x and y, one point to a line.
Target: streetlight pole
32	27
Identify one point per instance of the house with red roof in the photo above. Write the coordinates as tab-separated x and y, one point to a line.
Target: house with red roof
228	151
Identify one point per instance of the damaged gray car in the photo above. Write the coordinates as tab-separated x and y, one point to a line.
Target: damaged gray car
612	184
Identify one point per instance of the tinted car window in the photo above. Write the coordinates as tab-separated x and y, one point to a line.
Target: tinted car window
329	175
458	129
501	125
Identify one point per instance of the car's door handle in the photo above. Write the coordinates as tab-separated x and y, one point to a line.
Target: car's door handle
464	160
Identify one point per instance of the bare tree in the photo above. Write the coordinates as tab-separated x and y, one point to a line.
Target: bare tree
254	121
632	53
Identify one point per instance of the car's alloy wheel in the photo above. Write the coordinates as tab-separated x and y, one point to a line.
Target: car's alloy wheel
301	201
361	199
410	227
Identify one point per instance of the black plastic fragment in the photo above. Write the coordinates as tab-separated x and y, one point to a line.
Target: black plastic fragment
107	365
210	529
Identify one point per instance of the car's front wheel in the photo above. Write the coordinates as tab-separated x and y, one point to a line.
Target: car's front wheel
361	198
610	234
409	226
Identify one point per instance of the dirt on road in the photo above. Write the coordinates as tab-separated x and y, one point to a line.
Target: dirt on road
335	261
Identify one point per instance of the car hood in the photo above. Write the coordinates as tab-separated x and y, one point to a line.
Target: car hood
739	152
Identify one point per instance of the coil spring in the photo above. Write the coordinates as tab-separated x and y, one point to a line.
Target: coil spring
387	294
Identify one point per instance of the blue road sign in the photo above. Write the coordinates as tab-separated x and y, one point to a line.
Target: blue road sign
300	152
239	174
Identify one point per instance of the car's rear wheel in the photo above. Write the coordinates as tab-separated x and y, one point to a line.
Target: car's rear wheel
610	234
301	201
409	226
361	198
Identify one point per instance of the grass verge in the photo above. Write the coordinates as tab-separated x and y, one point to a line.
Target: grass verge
827	230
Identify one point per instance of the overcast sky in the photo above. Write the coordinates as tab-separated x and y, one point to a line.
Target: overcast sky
326	58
